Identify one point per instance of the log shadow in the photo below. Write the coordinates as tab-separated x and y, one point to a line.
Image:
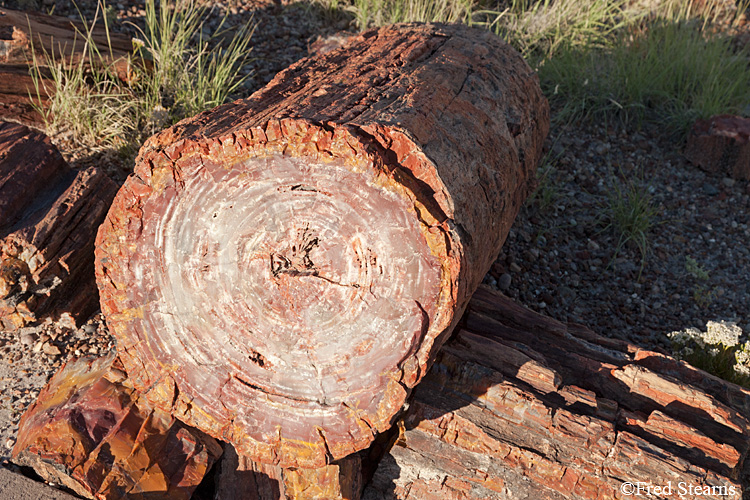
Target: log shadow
236	478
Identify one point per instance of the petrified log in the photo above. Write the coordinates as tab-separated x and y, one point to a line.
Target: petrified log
90	431
721	144
519	405
56	36
49	215
281	271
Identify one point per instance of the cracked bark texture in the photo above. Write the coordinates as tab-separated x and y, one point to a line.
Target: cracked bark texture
90	431
519	405
282	270
49	214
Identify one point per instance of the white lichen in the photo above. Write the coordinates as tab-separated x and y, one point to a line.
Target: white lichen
720	339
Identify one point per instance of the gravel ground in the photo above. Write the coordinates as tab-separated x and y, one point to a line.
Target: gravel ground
559	258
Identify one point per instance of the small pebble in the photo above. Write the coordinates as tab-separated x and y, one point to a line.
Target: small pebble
51	349
515	268
28	338
710	189
504	282
567	295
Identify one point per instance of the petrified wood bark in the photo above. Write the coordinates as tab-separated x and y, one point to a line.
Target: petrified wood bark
281	271
721	144
90	431
521	406
57	36
49	214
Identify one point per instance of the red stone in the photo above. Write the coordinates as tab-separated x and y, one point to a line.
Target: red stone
91	432
721	144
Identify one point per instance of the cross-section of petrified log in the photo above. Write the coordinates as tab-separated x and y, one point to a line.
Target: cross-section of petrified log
90	431
282	270
521	406
49	215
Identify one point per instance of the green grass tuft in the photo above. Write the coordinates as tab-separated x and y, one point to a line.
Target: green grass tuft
188	76
371	13
189	73
538	29
666	73
631	214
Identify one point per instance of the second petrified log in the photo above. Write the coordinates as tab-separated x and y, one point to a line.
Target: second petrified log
281	271
519	405
721	144
49	214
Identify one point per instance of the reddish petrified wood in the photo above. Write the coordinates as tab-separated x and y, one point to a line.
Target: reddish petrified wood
721	144
49	214
56	36
281	271
522	406
91	432
239	478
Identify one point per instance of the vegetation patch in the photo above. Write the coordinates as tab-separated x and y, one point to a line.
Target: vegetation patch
667	73
718	350
175	72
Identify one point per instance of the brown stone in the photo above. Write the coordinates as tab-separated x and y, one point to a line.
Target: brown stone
562	414
721	145
49	215
282	270
91	432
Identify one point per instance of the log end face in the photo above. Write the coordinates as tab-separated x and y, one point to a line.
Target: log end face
303	280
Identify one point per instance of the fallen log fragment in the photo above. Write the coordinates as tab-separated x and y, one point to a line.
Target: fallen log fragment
282	270
49	215
91	432
519	405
